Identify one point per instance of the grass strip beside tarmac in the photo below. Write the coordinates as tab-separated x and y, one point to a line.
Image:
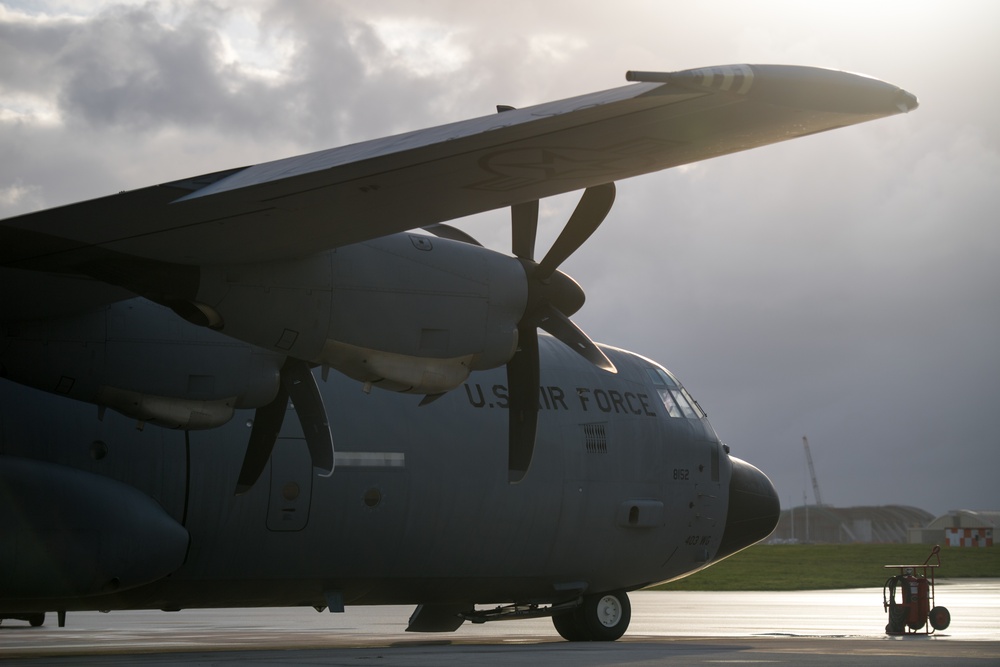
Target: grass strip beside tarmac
790	567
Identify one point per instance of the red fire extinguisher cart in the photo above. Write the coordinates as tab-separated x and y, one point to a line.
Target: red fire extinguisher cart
908	597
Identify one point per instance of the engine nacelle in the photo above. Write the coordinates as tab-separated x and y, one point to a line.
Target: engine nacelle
140	359
69	533
405	312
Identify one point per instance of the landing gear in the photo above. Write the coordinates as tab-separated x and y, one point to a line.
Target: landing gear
35	620
600	618
568	627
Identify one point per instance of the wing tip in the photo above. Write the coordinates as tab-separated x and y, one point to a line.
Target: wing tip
724	78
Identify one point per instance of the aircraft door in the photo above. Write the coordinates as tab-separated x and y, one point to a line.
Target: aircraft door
569	554
291	479
587	537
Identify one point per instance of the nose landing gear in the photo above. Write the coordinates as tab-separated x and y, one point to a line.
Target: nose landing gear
600	618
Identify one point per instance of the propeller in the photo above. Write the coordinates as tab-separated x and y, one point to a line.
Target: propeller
552	297
297	382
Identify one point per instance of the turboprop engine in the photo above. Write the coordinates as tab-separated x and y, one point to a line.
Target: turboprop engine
406	312
409	312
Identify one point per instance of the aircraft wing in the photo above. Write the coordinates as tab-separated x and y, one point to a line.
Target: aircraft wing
301	205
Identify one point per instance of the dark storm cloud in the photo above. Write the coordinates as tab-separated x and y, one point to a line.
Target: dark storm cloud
124	68
128	70
342	78
137	80
124	83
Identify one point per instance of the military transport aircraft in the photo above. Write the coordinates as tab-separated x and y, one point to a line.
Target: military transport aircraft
262	387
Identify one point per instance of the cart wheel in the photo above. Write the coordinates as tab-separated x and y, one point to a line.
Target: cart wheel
940	618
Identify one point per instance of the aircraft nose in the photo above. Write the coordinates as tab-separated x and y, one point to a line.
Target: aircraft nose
753	509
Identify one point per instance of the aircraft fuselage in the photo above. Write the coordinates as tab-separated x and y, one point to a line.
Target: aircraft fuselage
620	495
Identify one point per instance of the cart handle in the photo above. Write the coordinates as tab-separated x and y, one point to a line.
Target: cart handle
935	553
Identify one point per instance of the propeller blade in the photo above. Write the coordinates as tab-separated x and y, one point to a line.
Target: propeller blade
560	326
430	398
304	392
587	217
524	226
266	425
522	399
552	297
297	383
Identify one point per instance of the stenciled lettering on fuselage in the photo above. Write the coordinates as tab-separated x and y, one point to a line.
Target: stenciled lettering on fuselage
586	399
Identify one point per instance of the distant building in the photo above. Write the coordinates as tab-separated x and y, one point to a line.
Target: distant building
958	528
844	525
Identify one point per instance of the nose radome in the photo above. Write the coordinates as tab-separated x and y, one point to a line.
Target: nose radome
753	509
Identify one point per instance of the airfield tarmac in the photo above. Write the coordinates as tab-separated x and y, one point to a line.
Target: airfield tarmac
814	628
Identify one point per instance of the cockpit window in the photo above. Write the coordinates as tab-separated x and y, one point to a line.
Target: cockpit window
675	398
660	377
668	402
685	404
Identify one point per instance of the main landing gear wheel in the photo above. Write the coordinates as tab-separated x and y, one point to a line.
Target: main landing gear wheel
568	627
601	618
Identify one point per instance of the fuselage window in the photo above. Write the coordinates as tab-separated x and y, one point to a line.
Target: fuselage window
675	398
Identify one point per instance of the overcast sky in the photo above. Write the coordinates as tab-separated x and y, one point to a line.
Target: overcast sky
845	286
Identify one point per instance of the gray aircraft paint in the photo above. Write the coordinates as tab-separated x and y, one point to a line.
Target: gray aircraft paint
418	508
446	502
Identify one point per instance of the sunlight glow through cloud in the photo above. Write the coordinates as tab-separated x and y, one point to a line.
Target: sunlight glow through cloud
30	110
425	47
555	46
255	52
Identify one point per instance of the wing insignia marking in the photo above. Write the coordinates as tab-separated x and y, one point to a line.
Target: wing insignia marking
515	168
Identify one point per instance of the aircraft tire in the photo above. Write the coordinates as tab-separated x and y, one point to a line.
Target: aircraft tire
606	616
569	627
36	620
